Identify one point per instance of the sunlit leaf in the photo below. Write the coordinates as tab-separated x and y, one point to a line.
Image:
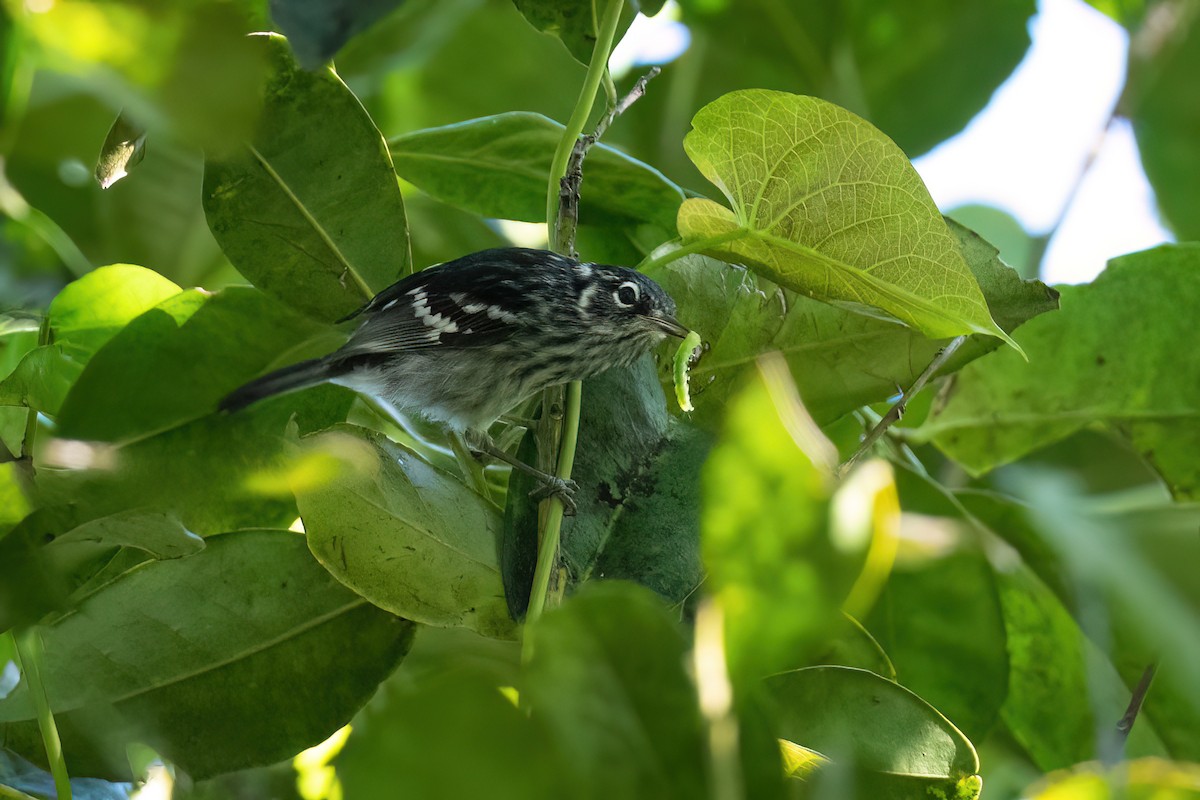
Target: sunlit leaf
826	205
90	311
896	744
1111	356
765	538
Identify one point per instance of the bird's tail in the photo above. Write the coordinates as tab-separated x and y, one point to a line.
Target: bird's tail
288	379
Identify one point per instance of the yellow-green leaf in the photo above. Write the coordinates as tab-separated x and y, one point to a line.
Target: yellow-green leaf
825	204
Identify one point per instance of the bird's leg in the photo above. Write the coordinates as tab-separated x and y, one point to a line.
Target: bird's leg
551	485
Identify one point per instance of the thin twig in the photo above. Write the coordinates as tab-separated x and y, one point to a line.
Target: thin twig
1125	724
897	410
572	179
1042	243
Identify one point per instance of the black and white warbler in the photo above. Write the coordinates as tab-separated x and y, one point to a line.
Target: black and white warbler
465	341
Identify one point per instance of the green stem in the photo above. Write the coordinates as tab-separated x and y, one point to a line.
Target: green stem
583	109
32	416
28	649
471	469
550	533
548	541
698	246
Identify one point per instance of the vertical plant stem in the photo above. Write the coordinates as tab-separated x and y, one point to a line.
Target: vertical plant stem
28	648
31	419
583	109
550	523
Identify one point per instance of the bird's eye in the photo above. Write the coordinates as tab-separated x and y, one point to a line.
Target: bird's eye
627	294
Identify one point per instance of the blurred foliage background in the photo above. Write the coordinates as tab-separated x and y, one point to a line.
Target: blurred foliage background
982	601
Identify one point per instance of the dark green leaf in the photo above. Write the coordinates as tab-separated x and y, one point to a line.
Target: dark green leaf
1063	696
918	71
123	149
499	166
286	657
939	621
1163	102
840	360
1111	356
574	21
825	204
309	209
638	504
899	745
452	735
407	537
317	30
607	680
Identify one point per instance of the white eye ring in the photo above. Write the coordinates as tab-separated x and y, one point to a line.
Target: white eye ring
621	300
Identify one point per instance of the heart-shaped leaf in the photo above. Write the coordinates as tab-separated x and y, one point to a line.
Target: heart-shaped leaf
825	204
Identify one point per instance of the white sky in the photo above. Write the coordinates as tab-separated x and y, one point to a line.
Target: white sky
1024	151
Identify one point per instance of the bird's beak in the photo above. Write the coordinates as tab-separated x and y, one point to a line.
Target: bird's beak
670	326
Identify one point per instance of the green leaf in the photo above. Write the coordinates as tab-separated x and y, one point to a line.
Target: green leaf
498	167
1120	577
450	735
574	21
123	149
918	71
638	505
173	364
898	744
1140	779
607	679
407	537
1063	695
840	360
764	522
317	30
1160	100
825	204
42	380
939	621
90	311
53	554
1111	356
287	655
309	209
19	774
13	503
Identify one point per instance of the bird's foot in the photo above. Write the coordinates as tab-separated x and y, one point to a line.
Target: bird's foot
564	490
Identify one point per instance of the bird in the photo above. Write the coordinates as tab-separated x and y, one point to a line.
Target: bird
464	342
